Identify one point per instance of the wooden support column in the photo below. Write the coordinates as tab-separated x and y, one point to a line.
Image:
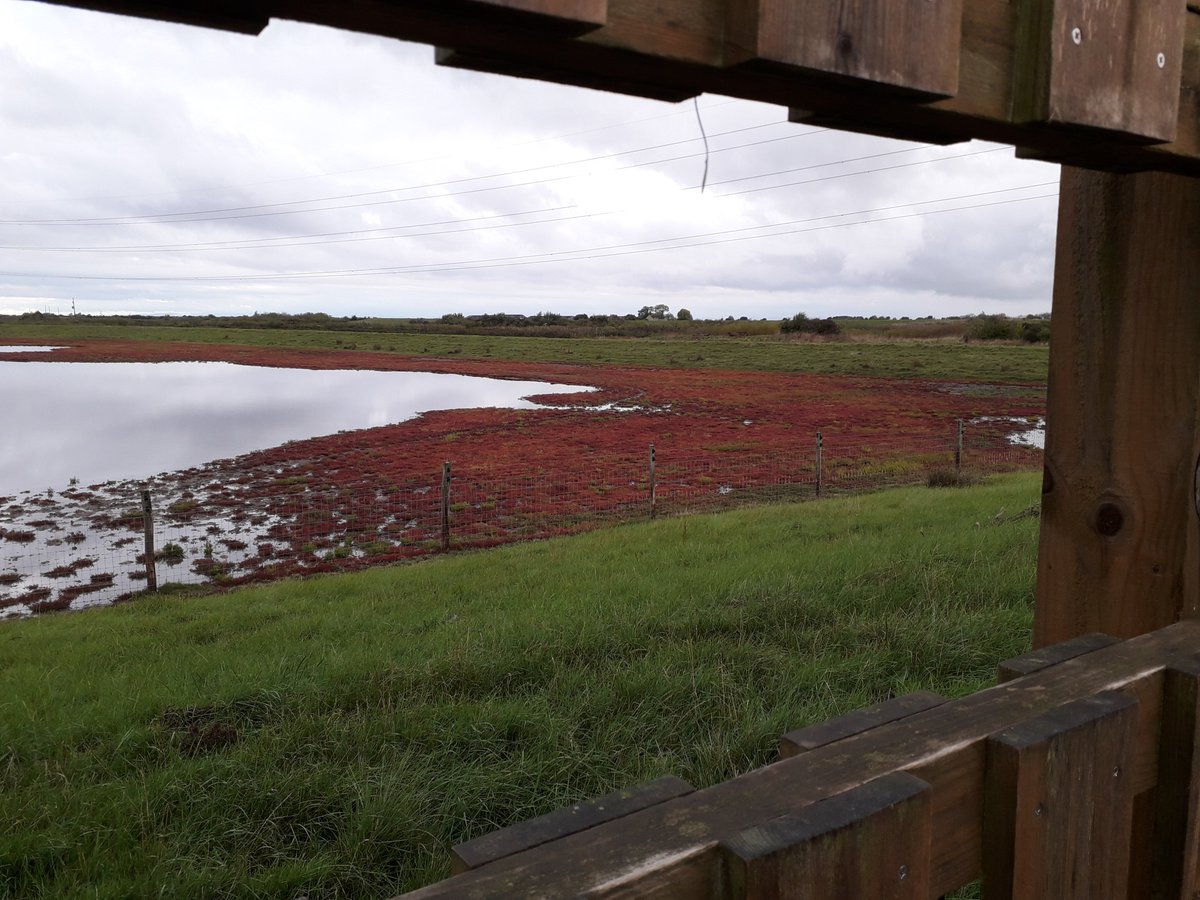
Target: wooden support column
1119	531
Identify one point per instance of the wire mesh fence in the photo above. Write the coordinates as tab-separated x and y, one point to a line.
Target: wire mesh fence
88	546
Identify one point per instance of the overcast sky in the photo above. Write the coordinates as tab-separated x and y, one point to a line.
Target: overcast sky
157	168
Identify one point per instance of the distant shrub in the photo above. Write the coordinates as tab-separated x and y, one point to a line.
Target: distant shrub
1035	332
802	324
990	328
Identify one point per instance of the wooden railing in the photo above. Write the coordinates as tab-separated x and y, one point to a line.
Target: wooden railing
1075	778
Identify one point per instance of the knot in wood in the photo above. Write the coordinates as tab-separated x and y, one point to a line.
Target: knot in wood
1109	519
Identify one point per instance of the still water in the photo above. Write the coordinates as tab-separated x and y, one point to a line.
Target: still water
100	421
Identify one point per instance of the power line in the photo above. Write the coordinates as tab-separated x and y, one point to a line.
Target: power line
409	162
350	236
208	215
637	247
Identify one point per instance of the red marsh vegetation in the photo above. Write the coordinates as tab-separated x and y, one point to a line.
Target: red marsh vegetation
373	494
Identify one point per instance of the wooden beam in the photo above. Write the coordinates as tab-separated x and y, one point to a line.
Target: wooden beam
1119	520
570	820
906	48
679	48
1106	65
802	740
1043	658
671	849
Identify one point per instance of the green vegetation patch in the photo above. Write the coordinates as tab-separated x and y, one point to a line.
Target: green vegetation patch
333	737
725	348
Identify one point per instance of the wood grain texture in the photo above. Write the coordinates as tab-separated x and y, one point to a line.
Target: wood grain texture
669	849
1175	872
1059	802
1111	65
1036	660
570	820
872	841
841	727
879	44
679	47
1118	539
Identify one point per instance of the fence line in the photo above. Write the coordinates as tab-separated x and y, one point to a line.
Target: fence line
81	546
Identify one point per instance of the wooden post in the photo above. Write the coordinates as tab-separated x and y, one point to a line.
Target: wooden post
446	505
148	525
653	486
958	445
820	454
1058	803
1120	536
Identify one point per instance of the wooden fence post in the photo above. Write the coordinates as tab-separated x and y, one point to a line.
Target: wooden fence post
820	454
958	445
1120	535
148	525
446	505
653	486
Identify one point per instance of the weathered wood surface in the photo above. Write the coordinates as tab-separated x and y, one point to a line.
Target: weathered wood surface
1043	658
839	728
1101	64
1176	838
560	823
1118	550
679	48
872	841
1058	804
671	849
876	44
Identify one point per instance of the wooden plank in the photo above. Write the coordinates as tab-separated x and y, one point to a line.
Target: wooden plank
1122	409
878	44
871	841
1141	846
680	45
500	65
944	746
1058	804
811	737
562	822
1036	660
900	131
563	16
1111	65
225	15
1176	846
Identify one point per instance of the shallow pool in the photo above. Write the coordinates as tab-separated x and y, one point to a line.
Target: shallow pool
93	422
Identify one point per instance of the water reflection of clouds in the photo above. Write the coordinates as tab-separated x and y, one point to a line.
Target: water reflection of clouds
100	421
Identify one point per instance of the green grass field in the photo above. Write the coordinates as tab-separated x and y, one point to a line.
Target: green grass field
944	359
332	737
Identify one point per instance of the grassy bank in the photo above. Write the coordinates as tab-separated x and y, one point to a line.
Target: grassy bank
953	360
332	737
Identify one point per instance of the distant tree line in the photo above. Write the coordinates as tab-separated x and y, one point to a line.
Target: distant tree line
649	321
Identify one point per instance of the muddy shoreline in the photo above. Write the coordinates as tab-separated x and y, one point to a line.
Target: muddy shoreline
373	495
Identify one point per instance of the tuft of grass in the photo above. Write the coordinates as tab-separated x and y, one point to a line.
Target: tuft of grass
945	477
333	737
